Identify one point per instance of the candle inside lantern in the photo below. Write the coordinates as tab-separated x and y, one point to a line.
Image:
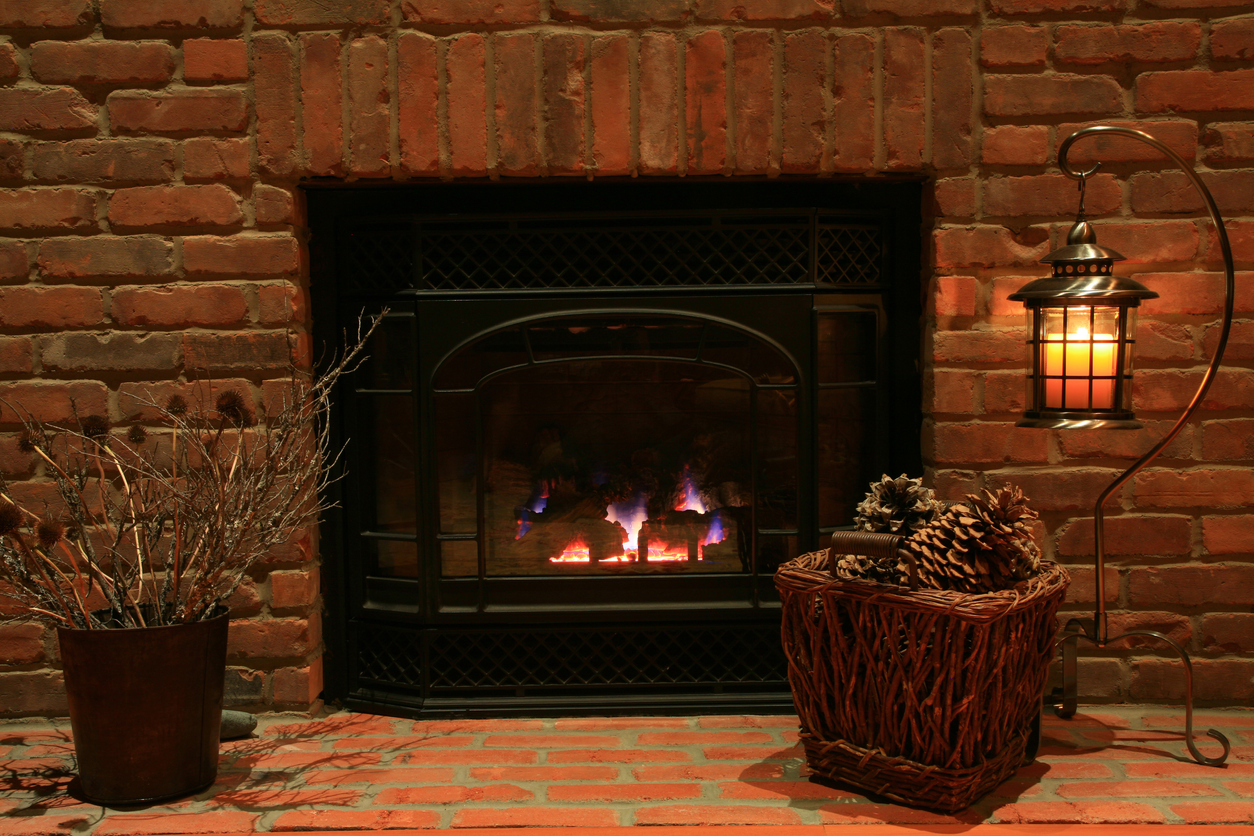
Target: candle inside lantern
1068	370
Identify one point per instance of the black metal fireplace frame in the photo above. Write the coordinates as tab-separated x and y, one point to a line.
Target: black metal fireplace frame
389	645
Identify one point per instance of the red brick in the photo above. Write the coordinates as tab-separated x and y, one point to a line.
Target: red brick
417	96
12	160
1172	192
905	63
1191	91
978	346
1169	390
21	644
474	757
721	814
293	588
45	14
1161	41
754	106
999	304
51	209
315	13
467	103
659	64
1015	145
26	109
1232	40
174	205
954	296
274	205
1070	812
1179	135
950	392
1241	240
633	793
14	261
610	104
1240	341
618	723
1150	242
544	773
51	307
368	115
955	198
1193	488
549	741
471	11
110	351
300	685
398	775
101	62
211	59
1229	680
854	103
115	256
953	95
987	443
452	794
1228	534
1215	812
1051	95
172	14
709	772
1015	7
274	86
178	112
252	350
776	790
205	158
201	822
1004	392
16	355
1172	625
321	99
563	58
91	160
205	305
9	69
1046	194
273	638
600	11
1228	440
804	118
628	756
43	824
846	813
535	817
1229	141
1185	293
280	304
1071	489
1125	444
355	820
921	8
989	246
1228	632
1207	585
762	10
253	256
515	59
701	738
1013	46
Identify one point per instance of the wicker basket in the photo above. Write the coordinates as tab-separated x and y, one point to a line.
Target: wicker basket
925	697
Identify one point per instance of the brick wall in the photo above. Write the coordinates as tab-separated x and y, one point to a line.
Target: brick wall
151	228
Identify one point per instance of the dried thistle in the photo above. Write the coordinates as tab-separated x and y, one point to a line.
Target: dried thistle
28	442
176	406
95	428
137	434
11	517
49	530
234	410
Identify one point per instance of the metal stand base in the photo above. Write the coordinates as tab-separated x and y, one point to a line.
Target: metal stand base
1077	629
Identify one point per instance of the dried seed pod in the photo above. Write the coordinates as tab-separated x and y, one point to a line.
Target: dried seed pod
49	530
176	406
11	517
95	427
137	434
234	409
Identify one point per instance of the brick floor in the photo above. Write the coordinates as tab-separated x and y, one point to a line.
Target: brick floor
1108	765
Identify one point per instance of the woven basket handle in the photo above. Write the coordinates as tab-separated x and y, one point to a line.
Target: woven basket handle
873	544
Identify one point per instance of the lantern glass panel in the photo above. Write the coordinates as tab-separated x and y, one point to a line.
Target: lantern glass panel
1078	357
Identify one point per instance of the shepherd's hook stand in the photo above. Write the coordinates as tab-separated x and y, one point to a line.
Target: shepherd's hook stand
1095	631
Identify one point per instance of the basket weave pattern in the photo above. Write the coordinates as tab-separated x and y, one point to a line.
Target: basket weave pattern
926	697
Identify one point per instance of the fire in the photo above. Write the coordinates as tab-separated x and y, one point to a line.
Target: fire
632	515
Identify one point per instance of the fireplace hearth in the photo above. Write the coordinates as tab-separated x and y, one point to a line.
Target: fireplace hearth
595	420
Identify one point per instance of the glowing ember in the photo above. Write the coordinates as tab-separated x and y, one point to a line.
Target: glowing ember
576	552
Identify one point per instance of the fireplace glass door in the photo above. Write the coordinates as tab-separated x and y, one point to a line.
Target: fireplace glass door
613	444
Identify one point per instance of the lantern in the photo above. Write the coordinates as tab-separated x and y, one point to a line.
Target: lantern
1081	324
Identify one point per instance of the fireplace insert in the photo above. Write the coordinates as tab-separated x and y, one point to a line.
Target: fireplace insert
595	419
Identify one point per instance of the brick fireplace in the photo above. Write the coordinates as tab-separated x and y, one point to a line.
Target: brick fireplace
156	156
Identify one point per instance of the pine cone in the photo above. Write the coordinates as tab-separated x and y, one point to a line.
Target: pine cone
982	545
864	568
897	506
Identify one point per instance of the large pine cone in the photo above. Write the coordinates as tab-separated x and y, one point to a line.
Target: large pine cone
865	568
981	545
897	506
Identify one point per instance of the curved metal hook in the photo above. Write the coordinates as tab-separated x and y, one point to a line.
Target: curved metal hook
1188	700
